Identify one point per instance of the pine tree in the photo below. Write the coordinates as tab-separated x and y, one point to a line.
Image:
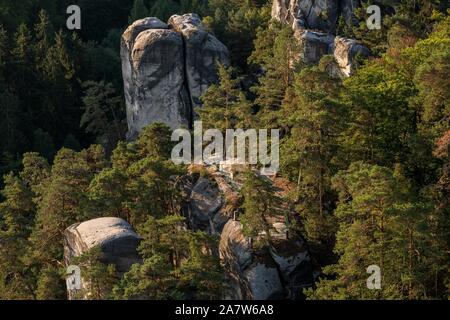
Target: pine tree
61	202
16	222
23	51
202	275
315	121
276	51
50	284
4	50
380	223
10	123
44	36
379	117
108	194
155	142
225	105
103	113
178	264
259	204
138	11
35	171
43	143
163	9
155	184
99	278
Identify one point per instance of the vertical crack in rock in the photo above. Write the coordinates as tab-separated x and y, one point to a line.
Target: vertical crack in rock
203	52
186	85
166	69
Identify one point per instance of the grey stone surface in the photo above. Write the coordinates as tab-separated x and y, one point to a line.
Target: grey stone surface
264	282
203	52
205	201
167	69
345	51
320	15
260	274
255	279
314	23
115	237
153	72
294	264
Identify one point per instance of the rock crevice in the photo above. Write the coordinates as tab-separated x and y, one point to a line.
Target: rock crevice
166	69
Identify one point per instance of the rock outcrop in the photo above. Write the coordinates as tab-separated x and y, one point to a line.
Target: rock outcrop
314	24
166	68
280	270
205	204
202	53
115	237
319	15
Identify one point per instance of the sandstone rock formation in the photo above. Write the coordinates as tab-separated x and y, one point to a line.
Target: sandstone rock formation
319	15
278	271
166	68
115	237
281	270
314	24
205	203
202	52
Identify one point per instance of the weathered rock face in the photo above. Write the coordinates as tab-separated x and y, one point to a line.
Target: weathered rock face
166	70
278	271
314	23
153	72
211	203
205	203
345	52
203	51
251	278
321	15
115	237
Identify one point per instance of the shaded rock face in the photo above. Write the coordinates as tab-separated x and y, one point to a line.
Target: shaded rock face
314	24
116	238
276	271
211	202
166	68
205	203
279	271
203	51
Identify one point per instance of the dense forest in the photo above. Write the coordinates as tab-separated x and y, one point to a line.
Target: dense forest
368	155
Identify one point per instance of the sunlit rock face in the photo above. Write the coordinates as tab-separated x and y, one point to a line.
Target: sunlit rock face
314	24
203	51
280	270
320	15
166	69
114	237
